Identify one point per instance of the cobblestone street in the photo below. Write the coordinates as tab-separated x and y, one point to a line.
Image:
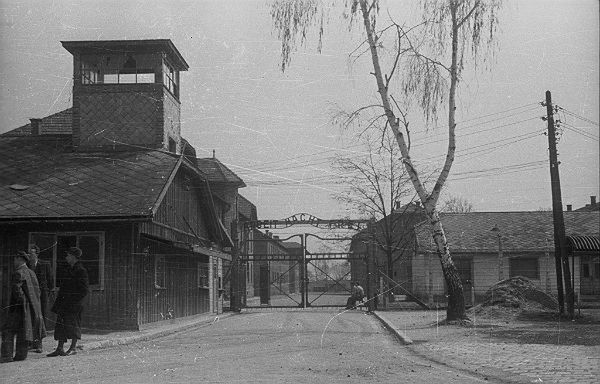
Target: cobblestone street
490	348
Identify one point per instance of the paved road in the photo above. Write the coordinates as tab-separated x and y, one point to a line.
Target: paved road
261	347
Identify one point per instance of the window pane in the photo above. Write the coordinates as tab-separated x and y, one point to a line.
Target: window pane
526	267
62	244
127	78
46	244
586	270
90	257
145	78
111	78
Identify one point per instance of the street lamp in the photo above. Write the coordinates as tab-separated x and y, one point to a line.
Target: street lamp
500	255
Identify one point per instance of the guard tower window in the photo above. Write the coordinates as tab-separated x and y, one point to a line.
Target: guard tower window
170	79
117	69
131	71
90	73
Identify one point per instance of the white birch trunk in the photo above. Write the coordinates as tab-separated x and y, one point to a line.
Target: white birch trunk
456	304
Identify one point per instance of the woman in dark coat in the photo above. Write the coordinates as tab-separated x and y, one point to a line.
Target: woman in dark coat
69	304
24	318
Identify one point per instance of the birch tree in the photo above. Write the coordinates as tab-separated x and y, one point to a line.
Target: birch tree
429	58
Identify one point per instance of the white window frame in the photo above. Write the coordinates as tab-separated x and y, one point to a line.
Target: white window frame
100	235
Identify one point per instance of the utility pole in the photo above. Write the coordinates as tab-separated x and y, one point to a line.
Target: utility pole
560	249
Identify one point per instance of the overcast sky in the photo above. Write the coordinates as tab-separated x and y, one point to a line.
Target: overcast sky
274	129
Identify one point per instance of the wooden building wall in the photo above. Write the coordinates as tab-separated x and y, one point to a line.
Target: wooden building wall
182	208
179	293
109	306
11	241
428	280
128	296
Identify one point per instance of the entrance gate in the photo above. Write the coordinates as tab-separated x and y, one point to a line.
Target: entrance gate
280	268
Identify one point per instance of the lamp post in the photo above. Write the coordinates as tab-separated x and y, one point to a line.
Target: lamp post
500	255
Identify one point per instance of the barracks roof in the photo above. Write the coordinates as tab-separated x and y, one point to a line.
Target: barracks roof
41	177
472	232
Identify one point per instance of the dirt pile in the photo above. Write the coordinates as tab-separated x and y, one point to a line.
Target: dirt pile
515	295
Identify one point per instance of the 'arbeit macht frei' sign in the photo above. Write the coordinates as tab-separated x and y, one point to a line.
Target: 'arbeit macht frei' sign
307	219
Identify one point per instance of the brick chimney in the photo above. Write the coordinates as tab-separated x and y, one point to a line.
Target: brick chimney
592	200
126	93
36	126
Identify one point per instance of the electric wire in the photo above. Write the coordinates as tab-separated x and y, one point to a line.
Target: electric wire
579	131
577	116
327	159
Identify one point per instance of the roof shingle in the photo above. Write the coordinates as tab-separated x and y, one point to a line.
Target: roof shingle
472	232
217	172
59	183
60	123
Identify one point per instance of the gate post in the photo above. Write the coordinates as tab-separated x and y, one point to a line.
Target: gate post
371	276
305	302
301	259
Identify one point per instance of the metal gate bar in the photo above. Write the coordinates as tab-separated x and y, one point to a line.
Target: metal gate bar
334	280
279	289
302	260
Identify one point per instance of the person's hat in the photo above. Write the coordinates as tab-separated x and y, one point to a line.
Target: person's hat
24	255
34	246
74	251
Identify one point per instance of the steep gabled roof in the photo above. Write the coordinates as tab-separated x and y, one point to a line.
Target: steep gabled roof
60	123
246	209
217	172
472	232
41	178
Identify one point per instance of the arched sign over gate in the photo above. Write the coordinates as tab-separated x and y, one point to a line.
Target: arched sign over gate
269	266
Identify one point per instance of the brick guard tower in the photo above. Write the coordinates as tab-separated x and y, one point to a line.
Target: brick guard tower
126	92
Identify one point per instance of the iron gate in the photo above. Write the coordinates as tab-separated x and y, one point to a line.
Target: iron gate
294	277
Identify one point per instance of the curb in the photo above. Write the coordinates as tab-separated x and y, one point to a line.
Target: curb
392	328
151	334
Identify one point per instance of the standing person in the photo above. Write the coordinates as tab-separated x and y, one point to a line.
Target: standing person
357	293
24	318
45	278
69	304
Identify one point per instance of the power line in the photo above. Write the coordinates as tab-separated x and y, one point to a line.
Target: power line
576	115
497	113
579	131
332	176
264	166
329	158
480	131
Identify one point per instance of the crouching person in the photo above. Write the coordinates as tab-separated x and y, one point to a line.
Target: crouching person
69	304
24	319
357	294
